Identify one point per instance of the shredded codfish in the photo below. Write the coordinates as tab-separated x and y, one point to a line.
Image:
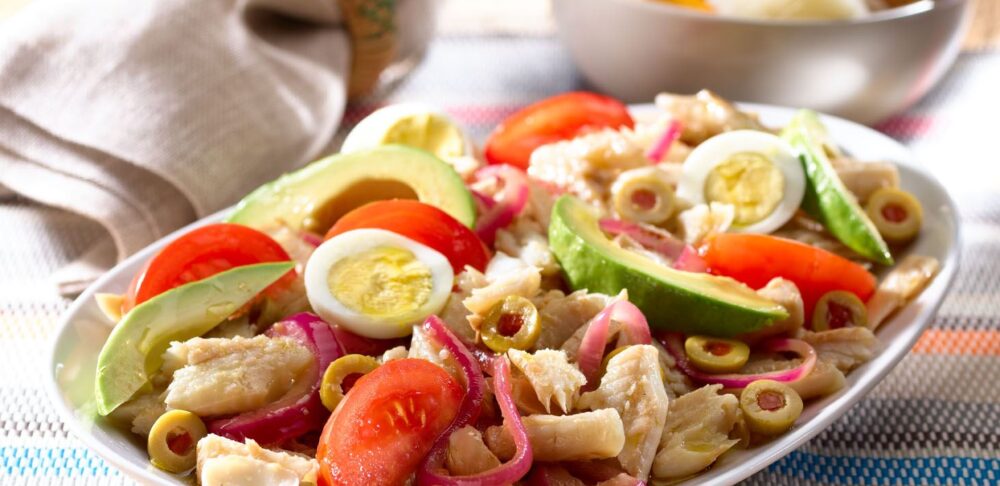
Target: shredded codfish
632	385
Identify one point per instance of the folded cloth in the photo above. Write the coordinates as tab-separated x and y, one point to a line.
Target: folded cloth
144	115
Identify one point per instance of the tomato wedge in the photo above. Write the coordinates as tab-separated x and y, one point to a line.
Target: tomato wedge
560	117
422	223
387	424
755	259
201	253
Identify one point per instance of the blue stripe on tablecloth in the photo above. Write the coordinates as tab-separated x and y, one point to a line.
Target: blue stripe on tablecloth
68	461
53	461
880	470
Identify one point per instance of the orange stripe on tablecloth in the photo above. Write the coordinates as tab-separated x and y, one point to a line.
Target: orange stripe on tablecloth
958	342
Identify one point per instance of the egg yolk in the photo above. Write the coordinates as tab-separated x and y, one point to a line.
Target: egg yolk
428	132
750	182
381	282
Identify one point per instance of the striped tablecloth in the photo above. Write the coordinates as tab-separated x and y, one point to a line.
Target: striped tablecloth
935	419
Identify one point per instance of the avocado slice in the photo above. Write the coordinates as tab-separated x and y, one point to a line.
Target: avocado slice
134	350
316	196
826	198
692	303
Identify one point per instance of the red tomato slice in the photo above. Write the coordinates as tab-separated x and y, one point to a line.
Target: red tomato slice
560	117
422	223
201	253
755	259
387	424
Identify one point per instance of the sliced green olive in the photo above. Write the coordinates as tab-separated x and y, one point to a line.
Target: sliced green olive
770	407
896	213
643	195
837	309
511	323
716	355
173	439
331	390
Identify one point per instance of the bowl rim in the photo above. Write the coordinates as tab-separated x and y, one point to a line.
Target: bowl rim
918	8
780	448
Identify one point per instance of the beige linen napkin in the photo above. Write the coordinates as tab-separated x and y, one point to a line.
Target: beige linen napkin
145	114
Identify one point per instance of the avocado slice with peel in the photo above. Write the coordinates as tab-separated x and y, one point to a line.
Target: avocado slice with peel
317	195
826	198
134	350
674	300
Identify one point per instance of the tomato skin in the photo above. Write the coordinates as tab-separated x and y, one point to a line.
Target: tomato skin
387	423
755	259
422	223
560	117
201	253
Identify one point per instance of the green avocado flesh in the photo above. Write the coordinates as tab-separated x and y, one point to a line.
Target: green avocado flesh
692	303
134	350
826	198
316	196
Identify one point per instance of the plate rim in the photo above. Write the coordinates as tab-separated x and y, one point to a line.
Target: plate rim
768	454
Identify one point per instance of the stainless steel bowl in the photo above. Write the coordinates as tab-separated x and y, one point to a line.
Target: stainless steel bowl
864	69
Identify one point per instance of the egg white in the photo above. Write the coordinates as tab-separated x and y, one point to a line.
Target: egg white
720	148
351	243
370	131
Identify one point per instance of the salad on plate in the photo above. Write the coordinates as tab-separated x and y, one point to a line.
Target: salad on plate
592	298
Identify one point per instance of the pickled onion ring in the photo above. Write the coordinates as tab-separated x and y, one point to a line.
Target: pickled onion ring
674	344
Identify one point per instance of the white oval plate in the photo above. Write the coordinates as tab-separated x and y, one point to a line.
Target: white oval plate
83	328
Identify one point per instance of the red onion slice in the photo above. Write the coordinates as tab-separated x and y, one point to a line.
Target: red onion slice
690	261
660	149
508	473
509	201
352	343
595	339
300	410
651	238
475	384
674	344
310	238
484	203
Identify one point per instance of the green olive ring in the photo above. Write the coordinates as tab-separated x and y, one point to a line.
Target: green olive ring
839	308
172	442
643	195
716	355
770	407
897	214
331	390
513	310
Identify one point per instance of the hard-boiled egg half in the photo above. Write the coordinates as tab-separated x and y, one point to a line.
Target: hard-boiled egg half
415	124
756	172
377	283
